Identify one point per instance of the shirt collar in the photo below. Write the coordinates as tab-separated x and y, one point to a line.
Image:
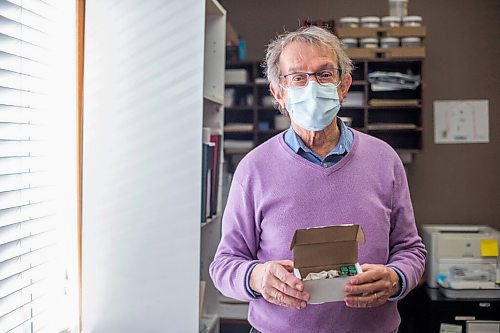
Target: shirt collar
343	146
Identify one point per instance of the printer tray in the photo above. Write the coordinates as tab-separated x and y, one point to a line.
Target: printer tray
470	293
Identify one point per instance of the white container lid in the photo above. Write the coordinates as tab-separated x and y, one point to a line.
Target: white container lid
411	39
350	40
412	19
389	40
391	19
369	40
370	19
349	19
398	0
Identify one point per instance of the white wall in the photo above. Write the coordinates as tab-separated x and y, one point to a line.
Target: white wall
142	165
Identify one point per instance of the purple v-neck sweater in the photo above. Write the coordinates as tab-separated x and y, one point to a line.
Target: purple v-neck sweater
275	191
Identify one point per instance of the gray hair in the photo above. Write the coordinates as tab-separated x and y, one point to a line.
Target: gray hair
312	35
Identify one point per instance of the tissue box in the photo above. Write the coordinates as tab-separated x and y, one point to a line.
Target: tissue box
322	249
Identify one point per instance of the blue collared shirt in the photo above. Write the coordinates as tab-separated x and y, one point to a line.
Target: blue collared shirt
344	145
334	156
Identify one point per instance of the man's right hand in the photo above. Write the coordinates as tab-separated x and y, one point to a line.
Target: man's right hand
278	285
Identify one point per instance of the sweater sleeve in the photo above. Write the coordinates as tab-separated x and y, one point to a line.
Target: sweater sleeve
237	250
407	252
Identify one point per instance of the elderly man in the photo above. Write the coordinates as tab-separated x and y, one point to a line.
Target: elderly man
319	172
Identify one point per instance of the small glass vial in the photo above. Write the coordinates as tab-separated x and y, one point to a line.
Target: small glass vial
349	22
388	42
391	21
369	42
350	43
370	22
411	42
412	21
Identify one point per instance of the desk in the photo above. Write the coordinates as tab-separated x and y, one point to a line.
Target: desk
425	309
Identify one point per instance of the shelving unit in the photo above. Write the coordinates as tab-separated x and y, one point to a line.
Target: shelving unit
249	108
393	116
213	119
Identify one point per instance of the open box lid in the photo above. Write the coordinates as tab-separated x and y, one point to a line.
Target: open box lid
323	247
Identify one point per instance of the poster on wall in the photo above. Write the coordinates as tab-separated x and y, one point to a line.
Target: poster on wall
461	121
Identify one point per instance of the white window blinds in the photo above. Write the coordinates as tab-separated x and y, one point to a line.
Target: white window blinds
37	166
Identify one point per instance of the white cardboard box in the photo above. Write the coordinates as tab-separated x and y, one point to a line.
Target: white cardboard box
323	249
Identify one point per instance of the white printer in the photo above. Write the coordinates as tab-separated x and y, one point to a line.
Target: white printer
466	253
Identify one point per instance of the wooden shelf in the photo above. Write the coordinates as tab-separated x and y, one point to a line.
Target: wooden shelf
392	128
381	32
386	53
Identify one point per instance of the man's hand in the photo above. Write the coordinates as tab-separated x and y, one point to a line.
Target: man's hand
372	287
278	285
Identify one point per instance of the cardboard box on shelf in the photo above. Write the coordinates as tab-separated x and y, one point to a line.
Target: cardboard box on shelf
322	249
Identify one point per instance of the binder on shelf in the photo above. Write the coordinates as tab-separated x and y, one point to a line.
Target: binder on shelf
207	178
210	176
216	140
204	168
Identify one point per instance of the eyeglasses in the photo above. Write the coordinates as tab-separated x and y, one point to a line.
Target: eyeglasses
324	76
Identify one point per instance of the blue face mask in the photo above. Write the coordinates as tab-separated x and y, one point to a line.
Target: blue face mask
314	106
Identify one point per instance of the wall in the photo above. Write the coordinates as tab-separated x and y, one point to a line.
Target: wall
449	183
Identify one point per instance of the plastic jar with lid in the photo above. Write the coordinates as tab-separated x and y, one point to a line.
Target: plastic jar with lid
389	42
370	22
349	22
412	21
391	21
411	42
350	43
398	8
369	42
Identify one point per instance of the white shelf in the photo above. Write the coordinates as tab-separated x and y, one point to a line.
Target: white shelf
214	8
210	220
208	323
214	99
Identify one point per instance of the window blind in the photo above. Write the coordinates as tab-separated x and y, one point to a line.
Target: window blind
37	165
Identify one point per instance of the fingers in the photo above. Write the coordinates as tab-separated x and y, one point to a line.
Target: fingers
281	287
281	294
367	301
371	288
285	276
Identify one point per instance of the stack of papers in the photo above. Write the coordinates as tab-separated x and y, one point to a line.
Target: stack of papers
390	81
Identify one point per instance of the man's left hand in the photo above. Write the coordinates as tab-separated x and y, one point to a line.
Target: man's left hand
371	288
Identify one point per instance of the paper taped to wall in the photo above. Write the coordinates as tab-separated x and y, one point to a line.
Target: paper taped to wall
461	121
